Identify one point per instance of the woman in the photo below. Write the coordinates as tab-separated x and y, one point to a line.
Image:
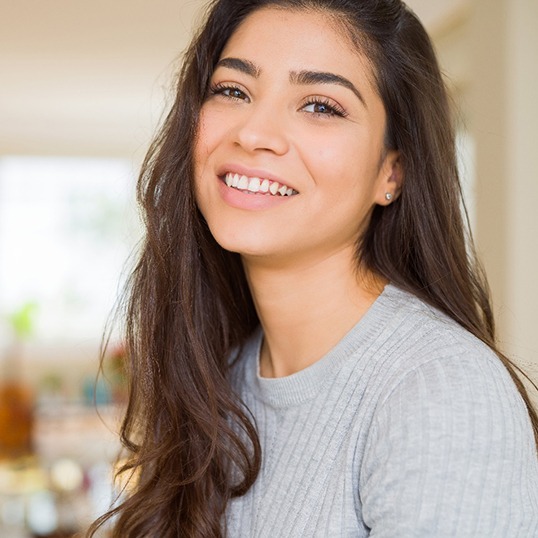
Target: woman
311	341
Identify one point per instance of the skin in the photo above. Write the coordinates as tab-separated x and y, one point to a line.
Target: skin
324	138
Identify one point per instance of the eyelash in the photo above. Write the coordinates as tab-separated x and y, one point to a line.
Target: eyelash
332	108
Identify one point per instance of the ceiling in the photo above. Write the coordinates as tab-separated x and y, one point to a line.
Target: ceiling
93	77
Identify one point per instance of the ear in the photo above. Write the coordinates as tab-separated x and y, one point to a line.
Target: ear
390	179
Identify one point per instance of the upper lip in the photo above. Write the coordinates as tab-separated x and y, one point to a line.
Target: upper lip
251	172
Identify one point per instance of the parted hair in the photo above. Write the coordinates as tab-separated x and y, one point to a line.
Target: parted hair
191	444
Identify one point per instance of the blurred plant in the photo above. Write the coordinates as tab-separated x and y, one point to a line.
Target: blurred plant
22	321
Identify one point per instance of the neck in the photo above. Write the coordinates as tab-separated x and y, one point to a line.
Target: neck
305	310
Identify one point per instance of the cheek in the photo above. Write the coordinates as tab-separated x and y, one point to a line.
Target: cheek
212	129
334	154
202	144
201	154
337	169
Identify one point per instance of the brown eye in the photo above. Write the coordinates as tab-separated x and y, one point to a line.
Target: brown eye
321	107
231	92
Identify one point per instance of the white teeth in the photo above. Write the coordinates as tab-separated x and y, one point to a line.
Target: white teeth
254	184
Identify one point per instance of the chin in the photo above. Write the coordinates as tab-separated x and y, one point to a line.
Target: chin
242	243
247	250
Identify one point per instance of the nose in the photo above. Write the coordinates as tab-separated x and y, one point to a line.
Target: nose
262	129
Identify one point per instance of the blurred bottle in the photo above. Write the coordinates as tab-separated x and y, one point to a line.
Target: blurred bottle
16	410
16	396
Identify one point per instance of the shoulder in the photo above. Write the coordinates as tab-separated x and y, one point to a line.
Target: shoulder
441	372
426	349
446	394
451	431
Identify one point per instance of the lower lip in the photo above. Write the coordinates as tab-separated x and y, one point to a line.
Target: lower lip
251	201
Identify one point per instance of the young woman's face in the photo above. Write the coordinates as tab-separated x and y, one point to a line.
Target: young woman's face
289	158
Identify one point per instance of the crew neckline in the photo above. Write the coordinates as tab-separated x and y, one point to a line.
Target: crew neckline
301	386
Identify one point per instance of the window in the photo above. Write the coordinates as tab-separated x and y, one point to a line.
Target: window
67	228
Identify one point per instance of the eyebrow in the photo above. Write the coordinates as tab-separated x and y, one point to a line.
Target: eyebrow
321	77
296	77
239	65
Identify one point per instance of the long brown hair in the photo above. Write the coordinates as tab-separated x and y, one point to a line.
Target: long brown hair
192	444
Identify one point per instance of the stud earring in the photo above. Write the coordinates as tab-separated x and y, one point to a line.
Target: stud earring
389	196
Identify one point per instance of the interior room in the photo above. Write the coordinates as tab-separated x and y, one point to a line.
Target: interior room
83	89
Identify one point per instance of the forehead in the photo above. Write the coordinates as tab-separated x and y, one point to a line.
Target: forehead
299	38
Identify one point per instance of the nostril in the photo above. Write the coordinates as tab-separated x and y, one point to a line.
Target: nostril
263	134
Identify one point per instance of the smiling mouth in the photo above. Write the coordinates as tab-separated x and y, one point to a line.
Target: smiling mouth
256	185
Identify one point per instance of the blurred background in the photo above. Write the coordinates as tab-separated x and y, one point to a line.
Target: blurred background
83	86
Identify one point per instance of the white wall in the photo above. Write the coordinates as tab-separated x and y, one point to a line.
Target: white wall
490	55
503	110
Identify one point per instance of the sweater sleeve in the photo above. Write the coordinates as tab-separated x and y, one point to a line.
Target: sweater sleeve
451	453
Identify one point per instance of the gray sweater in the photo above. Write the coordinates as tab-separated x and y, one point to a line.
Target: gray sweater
408	427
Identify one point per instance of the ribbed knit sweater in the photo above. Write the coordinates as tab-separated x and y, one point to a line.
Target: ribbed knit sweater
408	427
